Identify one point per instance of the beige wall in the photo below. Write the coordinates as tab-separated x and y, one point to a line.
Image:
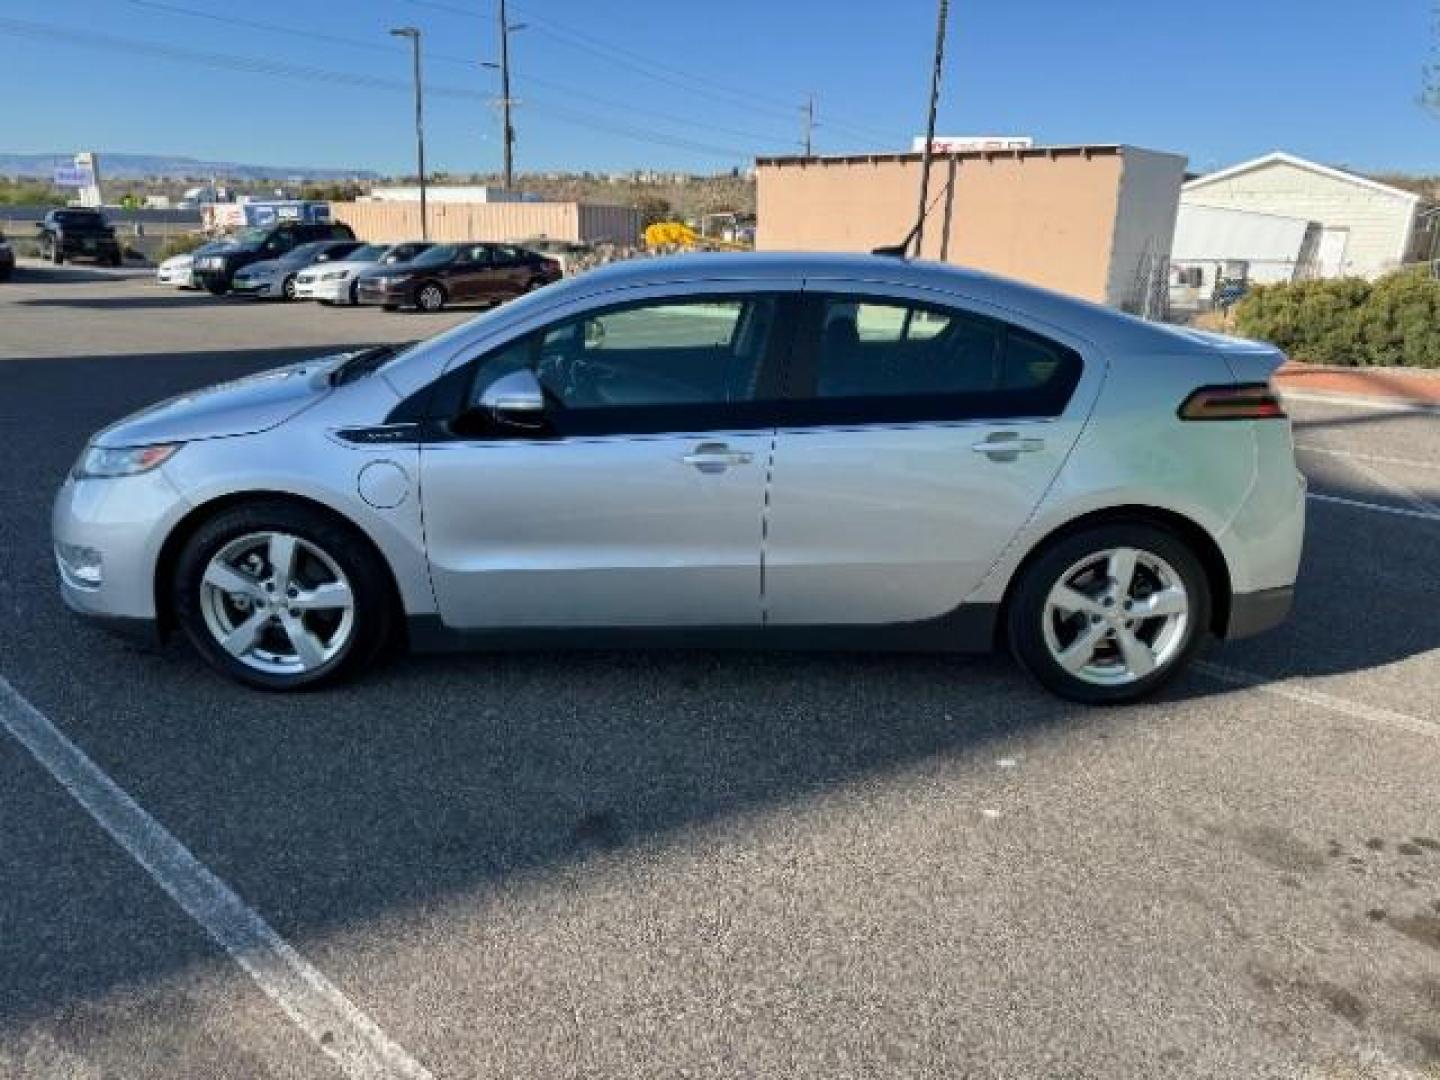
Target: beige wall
1047	217
390	222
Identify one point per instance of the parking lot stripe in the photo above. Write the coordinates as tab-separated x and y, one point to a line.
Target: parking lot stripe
1378	459
1379	508
317	1007
1353	401
1285	689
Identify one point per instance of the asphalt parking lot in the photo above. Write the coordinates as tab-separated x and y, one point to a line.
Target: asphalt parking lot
703	864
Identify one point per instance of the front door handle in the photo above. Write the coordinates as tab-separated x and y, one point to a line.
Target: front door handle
716	457
1008	445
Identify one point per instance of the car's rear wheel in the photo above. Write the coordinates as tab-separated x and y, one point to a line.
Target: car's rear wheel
430	297
281	597
1109	614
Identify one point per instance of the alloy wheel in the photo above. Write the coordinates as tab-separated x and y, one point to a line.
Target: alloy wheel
277	603
431	298
1116	616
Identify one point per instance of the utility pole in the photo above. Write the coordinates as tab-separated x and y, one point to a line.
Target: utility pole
414	35
509	135
809	109
930	122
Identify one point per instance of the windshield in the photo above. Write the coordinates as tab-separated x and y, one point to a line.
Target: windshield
435	256
79	217
306	252
251	238
367	253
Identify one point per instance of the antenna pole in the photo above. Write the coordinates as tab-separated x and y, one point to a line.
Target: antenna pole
930	122
509	134
809	108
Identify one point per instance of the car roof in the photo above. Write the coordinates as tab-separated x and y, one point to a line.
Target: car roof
1104	326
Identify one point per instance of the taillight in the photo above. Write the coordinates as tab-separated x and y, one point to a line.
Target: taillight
1247	401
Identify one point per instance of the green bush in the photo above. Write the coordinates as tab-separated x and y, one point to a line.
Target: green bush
182	244
1393	322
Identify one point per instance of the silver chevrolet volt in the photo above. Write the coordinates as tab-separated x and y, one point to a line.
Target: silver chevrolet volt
794	451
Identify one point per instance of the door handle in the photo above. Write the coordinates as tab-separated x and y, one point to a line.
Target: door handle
715	457
1008	445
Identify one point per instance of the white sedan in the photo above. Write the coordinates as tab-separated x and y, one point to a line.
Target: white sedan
178	270
335	282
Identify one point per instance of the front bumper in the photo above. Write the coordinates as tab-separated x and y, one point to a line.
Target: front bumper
382	294
118	525
261	287
336	292
180	278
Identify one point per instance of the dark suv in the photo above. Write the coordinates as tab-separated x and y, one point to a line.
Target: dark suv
69	234
215	270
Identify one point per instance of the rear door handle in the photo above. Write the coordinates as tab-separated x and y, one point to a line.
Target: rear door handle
716	457
1008	445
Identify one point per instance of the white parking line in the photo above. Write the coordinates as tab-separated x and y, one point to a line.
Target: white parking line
1378	508
1354	401
1410	463
1371	713
316	1005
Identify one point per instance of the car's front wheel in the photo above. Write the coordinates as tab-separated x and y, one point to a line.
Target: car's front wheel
1109	614
281	597
430	297
287	289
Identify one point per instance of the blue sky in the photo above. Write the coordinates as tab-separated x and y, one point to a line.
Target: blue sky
678	84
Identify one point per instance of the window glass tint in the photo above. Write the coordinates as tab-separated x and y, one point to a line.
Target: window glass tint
673	353
921	354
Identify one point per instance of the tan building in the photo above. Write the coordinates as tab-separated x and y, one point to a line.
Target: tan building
392	222
1092	221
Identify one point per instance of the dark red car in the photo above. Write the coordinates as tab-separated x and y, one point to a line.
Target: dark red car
467	273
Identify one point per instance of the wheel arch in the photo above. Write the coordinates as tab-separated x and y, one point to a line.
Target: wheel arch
188	525
1199	539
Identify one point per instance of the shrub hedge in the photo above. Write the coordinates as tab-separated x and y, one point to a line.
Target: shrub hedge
1394	321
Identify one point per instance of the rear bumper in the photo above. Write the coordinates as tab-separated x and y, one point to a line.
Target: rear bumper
399	295
266	287
1254	613
336	292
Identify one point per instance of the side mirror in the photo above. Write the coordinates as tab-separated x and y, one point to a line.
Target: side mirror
515	400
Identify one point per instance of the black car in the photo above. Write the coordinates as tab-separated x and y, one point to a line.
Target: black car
458	274
75	233
7	258
215	272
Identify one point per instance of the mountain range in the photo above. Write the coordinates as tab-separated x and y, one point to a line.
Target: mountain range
135	166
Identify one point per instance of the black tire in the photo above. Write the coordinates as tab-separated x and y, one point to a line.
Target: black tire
374	615
1026	609
354	293
217	288
430	297
287	289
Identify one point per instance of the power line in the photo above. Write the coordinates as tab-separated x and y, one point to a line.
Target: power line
658	71
62	35
451	58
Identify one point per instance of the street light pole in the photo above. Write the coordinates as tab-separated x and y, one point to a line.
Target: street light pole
414	35
930	123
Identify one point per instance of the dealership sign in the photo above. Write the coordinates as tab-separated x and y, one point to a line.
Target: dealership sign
972	143
74	176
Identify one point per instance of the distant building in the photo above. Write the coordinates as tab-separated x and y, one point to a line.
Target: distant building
1363	228
448	193
1092	221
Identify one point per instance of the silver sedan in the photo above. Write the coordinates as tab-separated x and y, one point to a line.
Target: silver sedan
790	451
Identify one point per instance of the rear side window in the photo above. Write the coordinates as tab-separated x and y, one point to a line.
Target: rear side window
880	360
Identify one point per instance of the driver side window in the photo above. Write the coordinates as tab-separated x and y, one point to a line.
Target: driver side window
701	351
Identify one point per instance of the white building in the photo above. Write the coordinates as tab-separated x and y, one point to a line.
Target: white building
1214	245
1365	228
447	193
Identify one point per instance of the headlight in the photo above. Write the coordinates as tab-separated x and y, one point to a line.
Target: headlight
103	461
334	275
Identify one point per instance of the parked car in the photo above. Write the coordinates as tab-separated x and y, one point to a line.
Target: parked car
78	233
7	258
179	270
457	274
276	278
568	253
788	450
337	283
215	271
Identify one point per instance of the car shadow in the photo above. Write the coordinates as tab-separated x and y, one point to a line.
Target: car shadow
178	299
433	778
